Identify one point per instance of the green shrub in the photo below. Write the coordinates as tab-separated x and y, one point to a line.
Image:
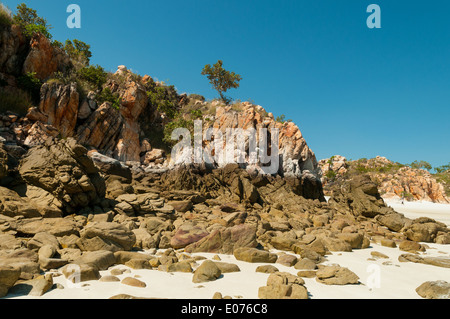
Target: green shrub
17	101
95	75
78	51
331	175
162	98
30	22
178	122
107	96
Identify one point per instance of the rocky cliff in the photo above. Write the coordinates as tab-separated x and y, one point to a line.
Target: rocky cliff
394	180
121	130
83	187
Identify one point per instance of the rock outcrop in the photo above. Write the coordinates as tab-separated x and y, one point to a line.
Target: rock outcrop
59	103
64	171
393	179
44	59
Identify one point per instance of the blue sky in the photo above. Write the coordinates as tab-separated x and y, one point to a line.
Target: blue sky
353	91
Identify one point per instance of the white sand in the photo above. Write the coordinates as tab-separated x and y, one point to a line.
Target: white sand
396	279
439	212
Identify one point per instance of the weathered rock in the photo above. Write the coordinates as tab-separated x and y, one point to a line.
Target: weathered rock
207	271
305	264
8	277
100	260
58	227
59	103
253	255
283	286
35	287
63	169
336	275
11	204
110	166
226	240
287	260
227	267
44	59
10	242
112	236
123	257
267	269
23	259
434	261
360	196
410	246
43	239
109	279
187	234
80	273
133	282
393	221
180	266
138	264
434	290
425	230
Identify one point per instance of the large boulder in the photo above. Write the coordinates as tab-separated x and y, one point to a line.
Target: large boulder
8	277
360	197
336	275
63	169
12	205
207	271
425	230
225	240
434	290
106	236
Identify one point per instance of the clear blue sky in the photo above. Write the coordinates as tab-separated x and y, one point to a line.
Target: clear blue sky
353	91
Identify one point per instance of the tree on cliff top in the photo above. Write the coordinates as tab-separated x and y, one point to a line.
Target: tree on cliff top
221	79
30	22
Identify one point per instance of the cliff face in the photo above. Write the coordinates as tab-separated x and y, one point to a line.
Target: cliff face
394	180
120	131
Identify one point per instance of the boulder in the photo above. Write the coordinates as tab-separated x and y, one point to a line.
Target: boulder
8	277
79	273
336	275
207	271
101	259
253	255
35	287
425	230
434	290
187	234
63	169
57	227
133	282
283	286
11	204
112	236
110	166
225	240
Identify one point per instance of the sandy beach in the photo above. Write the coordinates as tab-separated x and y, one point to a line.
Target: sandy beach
379	278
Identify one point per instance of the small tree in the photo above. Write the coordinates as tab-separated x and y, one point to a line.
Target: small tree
221	79
421	165
78	51
30	22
